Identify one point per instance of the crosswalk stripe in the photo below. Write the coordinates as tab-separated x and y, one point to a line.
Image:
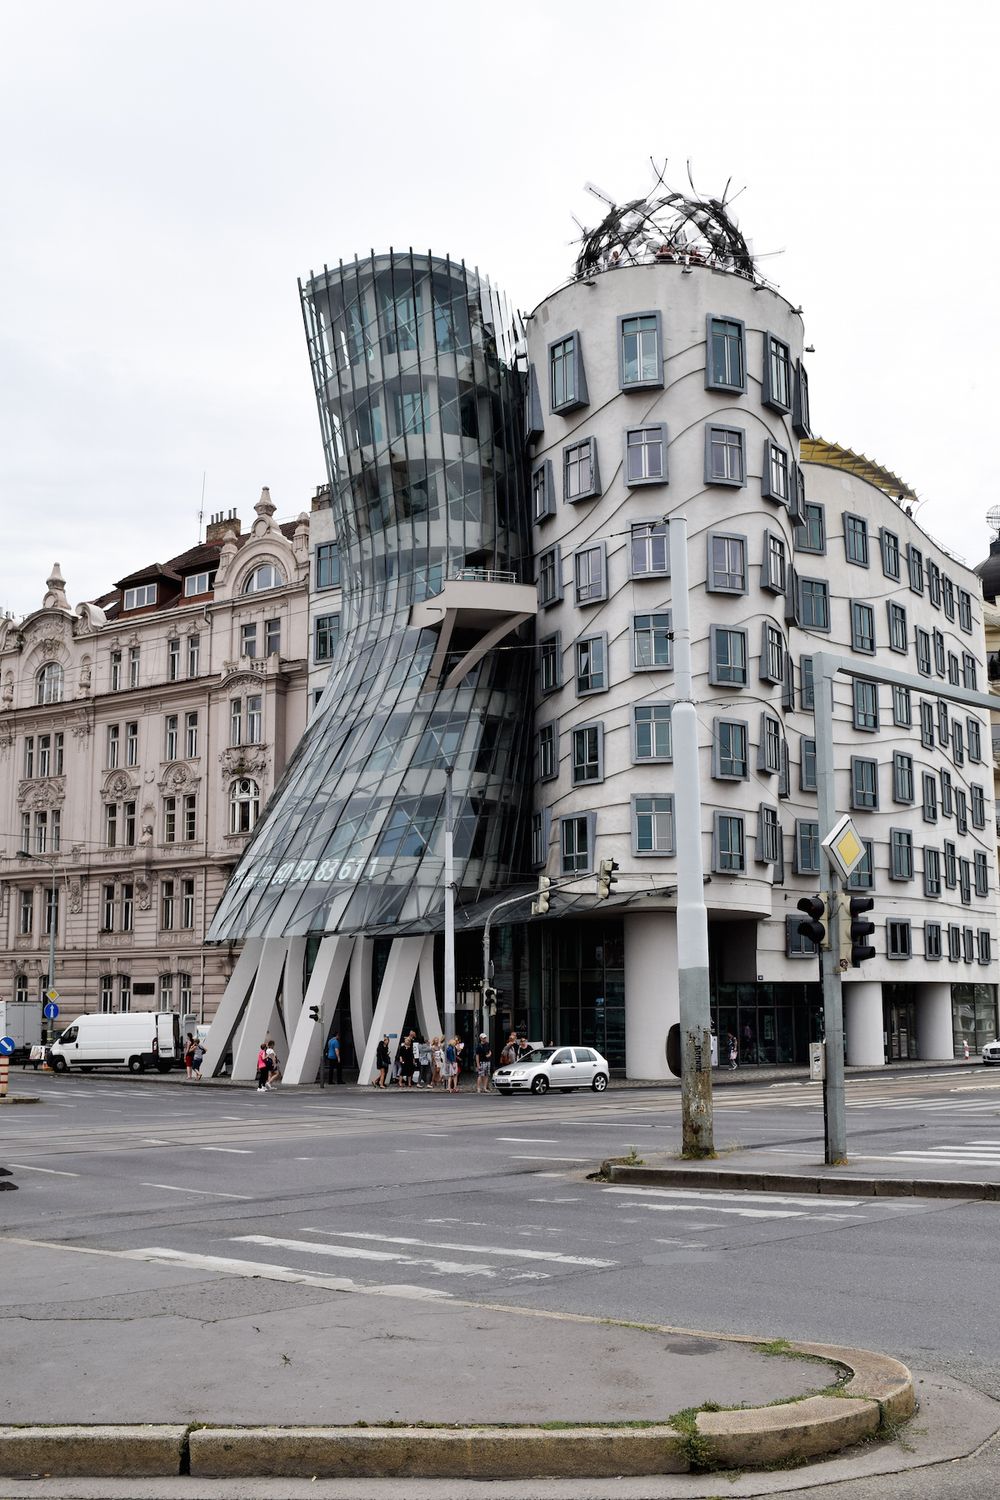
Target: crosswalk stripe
519	1254
355	1252
711	1195
255	1268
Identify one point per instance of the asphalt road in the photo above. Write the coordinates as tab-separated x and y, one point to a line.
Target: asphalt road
487	1199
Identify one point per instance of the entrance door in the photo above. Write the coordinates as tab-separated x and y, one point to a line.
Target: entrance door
899	1020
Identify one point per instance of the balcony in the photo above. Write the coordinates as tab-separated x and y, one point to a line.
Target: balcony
473	612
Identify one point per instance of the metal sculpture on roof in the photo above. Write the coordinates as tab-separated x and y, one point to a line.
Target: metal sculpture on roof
665	226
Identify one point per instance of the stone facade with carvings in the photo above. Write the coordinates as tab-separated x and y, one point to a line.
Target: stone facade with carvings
141	734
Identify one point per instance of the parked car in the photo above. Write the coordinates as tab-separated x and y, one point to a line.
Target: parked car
991	1053
562	1068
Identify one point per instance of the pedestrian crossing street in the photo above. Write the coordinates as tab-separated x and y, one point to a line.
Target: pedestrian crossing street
926	1093
977	1156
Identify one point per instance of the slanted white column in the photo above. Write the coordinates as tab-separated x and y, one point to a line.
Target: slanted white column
262	1010
935	1027
361	993
227	1017
308	1043
652	1001
863	1024
425	994
393	998
292	987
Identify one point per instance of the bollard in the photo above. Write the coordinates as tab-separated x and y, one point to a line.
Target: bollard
4	1071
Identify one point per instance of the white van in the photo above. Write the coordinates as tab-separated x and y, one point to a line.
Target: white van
137	1041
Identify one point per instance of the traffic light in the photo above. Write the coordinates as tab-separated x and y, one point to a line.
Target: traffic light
490	997
314	1013
541	905
854	933
813	925
606	878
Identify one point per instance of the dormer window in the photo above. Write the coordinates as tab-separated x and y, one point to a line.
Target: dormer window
267	576
198	583
139	597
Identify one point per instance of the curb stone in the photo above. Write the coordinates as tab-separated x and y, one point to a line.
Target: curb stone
744	1437
798	1182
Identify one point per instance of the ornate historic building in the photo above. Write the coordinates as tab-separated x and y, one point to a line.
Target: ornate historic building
140	736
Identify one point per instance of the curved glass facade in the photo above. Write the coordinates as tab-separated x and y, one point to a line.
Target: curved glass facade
420	402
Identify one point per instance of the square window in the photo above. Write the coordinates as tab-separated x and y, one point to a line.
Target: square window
728	660
640	353
797	944
588	754
730	750
646	455
725	461
653	825
777	391
729	844
652	637
775	479
590	574
725	367
856	539
653	738
727	563
649	551
567	382
591	664
580	481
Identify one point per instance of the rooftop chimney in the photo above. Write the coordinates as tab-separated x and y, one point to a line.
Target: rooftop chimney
220	523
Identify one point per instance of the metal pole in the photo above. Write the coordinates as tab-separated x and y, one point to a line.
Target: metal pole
834	1101
449	904
698	1130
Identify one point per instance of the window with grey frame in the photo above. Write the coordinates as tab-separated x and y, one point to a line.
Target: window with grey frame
640	351
900	854
970	672
922	642
974	740
591	664
984	946
649	550
977	805
775	477
549	577
965	611
576	839
954	943
926	724
902	708
728	656
652	640
865	705
897	627
549	664
590	574
809	534
932	940
567	380
952	668
797	944
653	829
947	597
950	864
580	480
533	424
729	844
725	367
543	502
547	760
774	564
889	547
539	839
934	583
725	455
981	872
772	654
769	746
797	495
856	539
730	750
961	811
800	402
814	603
862	877
864	783
915	568
777	392
898	938
646	455
807	763
588	754
807	686
326	634
902	777
767	850
652	730
958	743
943	725
727	563
862	628
806	846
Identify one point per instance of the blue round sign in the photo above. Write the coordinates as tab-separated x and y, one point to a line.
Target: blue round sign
7	1045
50	1011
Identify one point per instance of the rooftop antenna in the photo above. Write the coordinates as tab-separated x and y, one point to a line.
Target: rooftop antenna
201	508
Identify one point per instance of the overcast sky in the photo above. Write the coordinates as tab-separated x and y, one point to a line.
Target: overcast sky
170	169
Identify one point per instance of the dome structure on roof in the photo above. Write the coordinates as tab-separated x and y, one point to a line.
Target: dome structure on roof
988	572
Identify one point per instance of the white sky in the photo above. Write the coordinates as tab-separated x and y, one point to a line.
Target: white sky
170	169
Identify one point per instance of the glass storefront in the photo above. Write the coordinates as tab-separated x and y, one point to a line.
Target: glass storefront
772	1023
974	1016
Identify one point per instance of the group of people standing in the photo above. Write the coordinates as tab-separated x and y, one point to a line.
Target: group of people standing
268	1067
437	1063
194	1056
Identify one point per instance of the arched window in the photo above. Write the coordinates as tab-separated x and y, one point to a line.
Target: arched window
49	683
266	576
244	805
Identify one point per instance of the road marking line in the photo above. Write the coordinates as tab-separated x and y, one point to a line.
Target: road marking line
703	1208
529	1140
553	1200
202	1192
395	1239
229	1150
354	1252
551	1158
709	1195
255	1269
149	1140
49	1171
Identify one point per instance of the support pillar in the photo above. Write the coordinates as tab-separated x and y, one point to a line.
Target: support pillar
393	999
864	1025
935	1027
262	1009
652	1001
227	1017
425	993
308	1045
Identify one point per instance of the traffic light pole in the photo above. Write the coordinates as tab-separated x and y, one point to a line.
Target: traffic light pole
834	1101
697	1116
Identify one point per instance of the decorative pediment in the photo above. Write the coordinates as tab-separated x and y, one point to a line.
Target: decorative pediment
244	760
50	792
178	778
119	787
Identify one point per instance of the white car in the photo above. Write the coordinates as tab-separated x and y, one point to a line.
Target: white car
991	1054
554	1068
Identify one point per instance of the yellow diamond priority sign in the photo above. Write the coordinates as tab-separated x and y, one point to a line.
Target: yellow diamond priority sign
844	847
